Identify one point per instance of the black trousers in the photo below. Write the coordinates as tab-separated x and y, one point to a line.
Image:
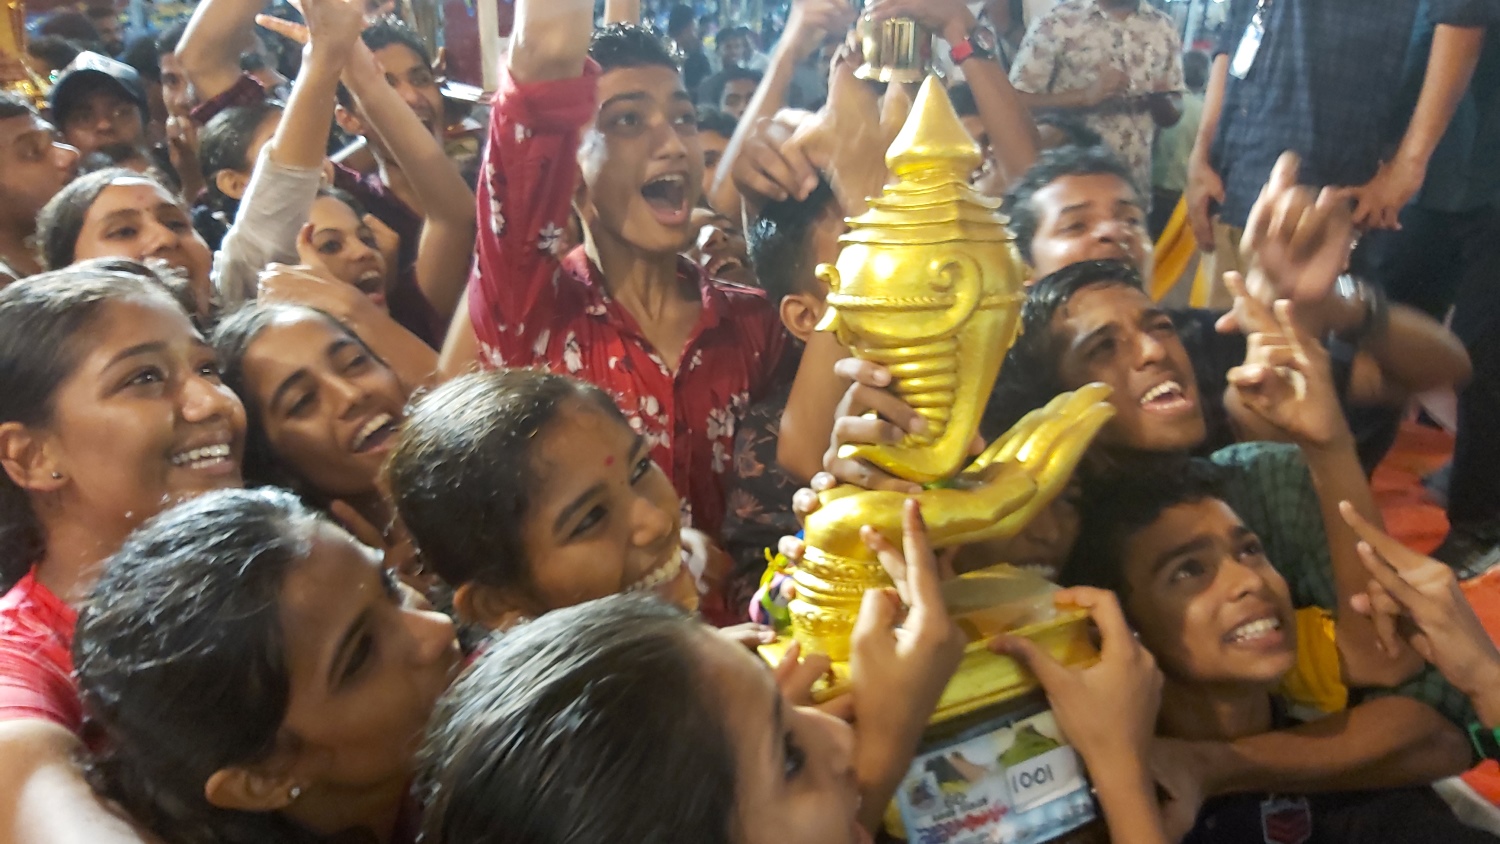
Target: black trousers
1437	260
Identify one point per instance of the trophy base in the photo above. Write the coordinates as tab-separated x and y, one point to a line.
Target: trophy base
993	766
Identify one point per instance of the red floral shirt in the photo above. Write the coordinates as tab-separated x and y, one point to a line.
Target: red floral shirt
36	656
530	309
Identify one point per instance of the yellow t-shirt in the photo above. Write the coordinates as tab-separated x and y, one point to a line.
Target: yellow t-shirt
1317	681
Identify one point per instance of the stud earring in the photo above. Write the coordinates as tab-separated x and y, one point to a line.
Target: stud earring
294	793
57	476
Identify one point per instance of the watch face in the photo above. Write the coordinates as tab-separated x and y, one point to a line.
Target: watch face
983	38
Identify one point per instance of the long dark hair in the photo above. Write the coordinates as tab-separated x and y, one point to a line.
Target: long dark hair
44	322
224	144
181	664
592	723
461	474
232	338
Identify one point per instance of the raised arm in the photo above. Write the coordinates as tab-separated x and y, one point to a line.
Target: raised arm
286	178
218	32
1002	109
447	242
810	21
1287	382
44	798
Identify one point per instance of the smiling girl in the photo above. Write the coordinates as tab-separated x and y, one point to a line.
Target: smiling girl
258	676
111	409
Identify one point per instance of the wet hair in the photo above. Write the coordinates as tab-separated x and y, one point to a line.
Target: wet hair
181	663
169	38
679	19
224	144
721	123
45	328
61	219
380	34
231	339
461	472
626	45
592	723
14	105
1120	502
778	241
1029	377
56	51
1051	165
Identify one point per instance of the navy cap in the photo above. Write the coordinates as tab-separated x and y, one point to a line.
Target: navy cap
91	71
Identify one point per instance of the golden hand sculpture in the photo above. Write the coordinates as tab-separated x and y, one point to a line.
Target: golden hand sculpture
929	284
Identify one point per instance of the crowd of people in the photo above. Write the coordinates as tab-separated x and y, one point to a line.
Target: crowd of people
370	477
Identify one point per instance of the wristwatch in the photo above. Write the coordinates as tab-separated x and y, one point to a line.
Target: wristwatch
1485	740
1376	306
981	43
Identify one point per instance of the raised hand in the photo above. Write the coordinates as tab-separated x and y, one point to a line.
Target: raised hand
1417	600
310	286
1297	240
899	665
847	138
333	27
811	21
1286	382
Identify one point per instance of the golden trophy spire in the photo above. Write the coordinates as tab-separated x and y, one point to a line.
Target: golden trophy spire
929	284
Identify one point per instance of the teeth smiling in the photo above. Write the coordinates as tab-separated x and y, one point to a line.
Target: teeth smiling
663	573
1255	629
378	421
1166	388
198	457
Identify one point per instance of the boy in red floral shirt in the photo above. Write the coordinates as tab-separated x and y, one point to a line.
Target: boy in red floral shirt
601	123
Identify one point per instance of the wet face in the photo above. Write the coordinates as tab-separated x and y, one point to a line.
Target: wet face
1205	600
1116	335
34	166
365	670
736	97
604	519
330	408
414	80
139	219
176	90
641	161
1089	218
103	116
713	145
794	765
721	249
143	422
344	247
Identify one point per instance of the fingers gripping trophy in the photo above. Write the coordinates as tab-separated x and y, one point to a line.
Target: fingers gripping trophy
929	284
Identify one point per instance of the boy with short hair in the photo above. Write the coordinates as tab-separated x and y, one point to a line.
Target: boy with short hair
601	122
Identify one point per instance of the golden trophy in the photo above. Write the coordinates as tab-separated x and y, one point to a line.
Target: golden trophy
929	284
894	50
13	42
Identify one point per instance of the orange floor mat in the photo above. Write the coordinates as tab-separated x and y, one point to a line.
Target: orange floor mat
1421	524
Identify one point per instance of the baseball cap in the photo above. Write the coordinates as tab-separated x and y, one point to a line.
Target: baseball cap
89	72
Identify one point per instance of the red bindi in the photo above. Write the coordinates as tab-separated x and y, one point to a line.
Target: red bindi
610	460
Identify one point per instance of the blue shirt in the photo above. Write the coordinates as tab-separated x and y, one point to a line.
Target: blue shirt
1324	83
1464	173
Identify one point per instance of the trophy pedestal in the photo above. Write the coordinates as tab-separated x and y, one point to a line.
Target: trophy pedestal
993	768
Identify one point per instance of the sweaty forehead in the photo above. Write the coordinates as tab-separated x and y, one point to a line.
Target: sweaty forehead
1102	191
1100	304
658	83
